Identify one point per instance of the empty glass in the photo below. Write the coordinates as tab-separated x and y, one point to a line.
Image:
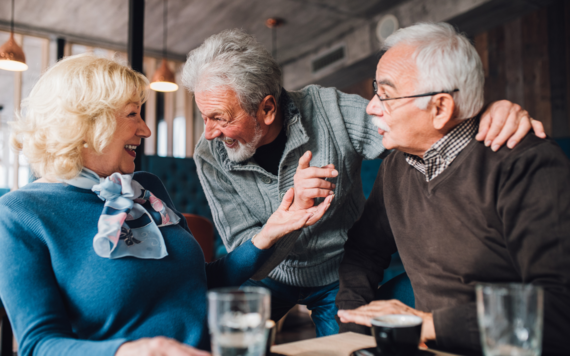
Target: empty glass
237	319
510	319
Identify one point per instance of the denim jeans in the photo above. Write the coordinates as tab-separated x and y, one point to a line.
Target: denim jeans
319	300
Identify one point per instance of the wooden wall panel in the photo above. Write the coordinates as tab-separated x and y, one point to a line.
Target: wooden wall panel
536	75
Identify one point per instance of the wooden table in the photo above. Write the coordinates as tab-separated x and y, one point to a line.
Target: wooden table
336	345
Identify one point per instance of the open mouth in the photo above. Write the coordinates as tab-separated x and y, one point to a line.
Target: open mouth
131	150
229	142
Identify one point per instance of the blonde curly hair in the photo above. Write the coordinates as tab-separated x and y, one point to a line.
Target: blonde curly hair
74	102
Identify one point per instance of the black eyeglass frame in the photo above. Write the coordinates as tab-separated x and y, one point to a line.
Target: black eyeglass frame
375	87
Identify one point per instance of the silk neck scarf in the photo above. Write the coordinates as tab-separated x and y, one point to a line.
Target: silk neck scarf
125	227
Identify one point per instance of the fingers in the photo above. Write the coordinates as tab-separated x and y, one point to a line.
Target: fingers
320	211
497	115
484	124
316	172
349	316
287	199
304	161
538	128
509	128
522	130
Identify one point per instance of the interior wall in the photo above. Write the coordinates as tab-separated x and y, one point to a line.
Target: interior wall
523	63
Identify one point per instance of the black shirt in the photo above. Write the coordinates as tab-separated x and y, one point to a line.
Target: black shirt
269	156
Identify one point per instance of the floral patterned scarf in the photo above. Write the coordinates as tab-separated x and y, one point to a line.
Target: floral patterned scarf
125	227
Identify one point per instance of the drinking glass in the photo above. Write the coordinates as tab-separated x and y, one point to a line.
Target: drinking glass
237	319
510	319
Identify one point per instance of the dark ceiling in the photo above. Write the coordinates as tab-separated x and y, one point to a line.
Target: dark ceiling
309	23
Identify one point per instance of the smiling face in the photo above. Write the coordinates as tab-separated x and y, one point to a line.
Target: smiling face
404	126
225	120
119	155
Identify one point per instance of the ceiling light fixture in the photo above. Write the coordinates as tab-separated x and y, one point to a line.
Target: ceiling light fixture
12	56
273	23
163	78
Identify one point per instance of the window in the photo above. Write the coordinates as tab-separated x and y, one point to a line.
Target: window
179	137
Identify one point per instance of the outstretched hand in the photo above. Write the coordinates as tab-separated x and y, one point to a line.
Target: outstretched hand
504	121
310	182
286	220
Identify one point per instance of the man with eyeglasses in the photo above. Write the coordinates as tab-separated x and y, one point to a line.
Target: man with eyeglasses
260	140
457	213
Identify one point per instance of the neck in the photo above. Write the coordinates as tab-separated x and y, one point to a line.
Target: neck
273	129
425	143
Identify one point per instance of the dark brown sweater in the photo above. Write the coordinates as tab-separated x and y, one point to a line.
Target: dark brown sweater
489	217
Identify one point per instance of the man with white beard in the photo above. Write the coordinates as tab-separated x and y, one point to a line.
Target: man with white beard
261	140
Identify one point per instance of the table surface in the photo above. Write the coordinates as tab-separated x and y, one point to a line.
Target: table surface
336	345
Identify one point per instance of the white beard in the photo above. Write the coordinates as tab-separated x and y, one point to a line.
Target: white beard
244	152
380	124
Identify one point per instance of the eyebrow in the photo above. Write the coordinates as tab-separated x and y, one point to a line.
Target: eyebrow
386	82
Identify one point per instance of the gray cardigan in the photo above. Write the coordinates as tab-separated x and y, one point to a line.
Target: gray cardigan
242	196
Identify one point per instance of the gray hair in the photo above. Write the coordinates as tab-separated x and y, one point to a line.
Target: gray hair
446	60
234	59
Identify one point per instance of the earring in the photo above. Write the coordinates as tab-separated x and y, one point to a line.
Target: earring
85	145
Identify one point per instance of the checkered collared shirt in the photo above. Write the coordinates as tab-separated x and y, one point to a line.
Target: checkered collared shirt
443	152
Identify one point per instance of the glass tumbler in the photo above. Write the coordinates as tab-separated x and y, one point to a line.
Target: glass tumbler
237	318
510	319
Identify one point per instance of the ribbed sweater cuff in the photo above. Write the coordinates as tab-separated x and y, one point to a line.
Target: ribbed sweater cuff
311	276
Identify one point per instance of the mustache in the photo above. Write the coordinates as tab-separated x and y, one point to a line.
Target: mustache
380	124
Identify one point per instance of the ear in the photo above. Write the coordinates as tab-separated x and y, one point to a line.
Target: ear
442	110
267	110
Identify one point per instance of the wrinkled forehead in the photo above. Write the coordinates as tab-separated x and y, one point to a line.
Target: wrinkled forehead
397	68
219	100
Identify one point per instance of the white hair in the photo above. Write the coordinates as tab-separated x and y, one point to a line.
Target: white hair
233	59
445	60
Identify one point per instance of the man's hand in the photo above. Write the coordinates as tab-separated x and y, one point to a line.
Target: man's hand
504	121
310	183
365	313
285	220
158	346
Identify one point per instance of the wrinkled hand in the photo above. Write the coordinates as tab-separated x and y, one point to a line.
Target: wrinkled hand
365	313
285	220
158	346
310	183
504	121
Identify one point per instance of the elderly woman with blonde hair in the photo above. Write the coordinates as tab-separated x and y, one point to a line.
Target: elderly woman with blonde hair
96	260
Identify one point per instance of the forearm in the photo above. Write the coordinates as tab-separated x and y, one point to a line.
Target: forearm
62	346
237	266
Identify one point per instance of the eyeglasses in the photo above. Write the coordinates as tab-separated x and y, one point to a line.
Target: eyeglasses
382	100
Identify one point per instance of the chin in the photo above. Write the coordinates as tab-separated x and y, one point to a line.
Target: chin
389	145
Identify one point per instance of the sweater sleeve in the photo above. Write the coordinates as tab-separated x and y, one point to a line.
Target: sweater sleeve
534	205
30	293
234	221
368	251
363	134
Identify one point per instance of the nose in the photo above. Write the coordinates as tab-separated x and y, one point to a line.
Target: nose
211	131
143	130
375	107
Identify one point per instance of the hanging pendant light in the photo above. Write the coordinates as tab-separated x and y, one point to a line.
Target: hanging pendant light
163	78
12	56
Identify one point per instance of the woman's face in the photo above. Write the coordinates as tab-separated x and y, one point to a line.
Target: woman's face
119	155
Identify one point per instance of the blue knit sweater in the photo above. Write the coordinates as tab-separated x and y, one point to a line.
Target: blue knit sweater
63	299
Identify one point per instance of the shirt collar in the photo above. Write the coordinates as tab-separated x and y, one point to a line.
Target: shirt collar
442	153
